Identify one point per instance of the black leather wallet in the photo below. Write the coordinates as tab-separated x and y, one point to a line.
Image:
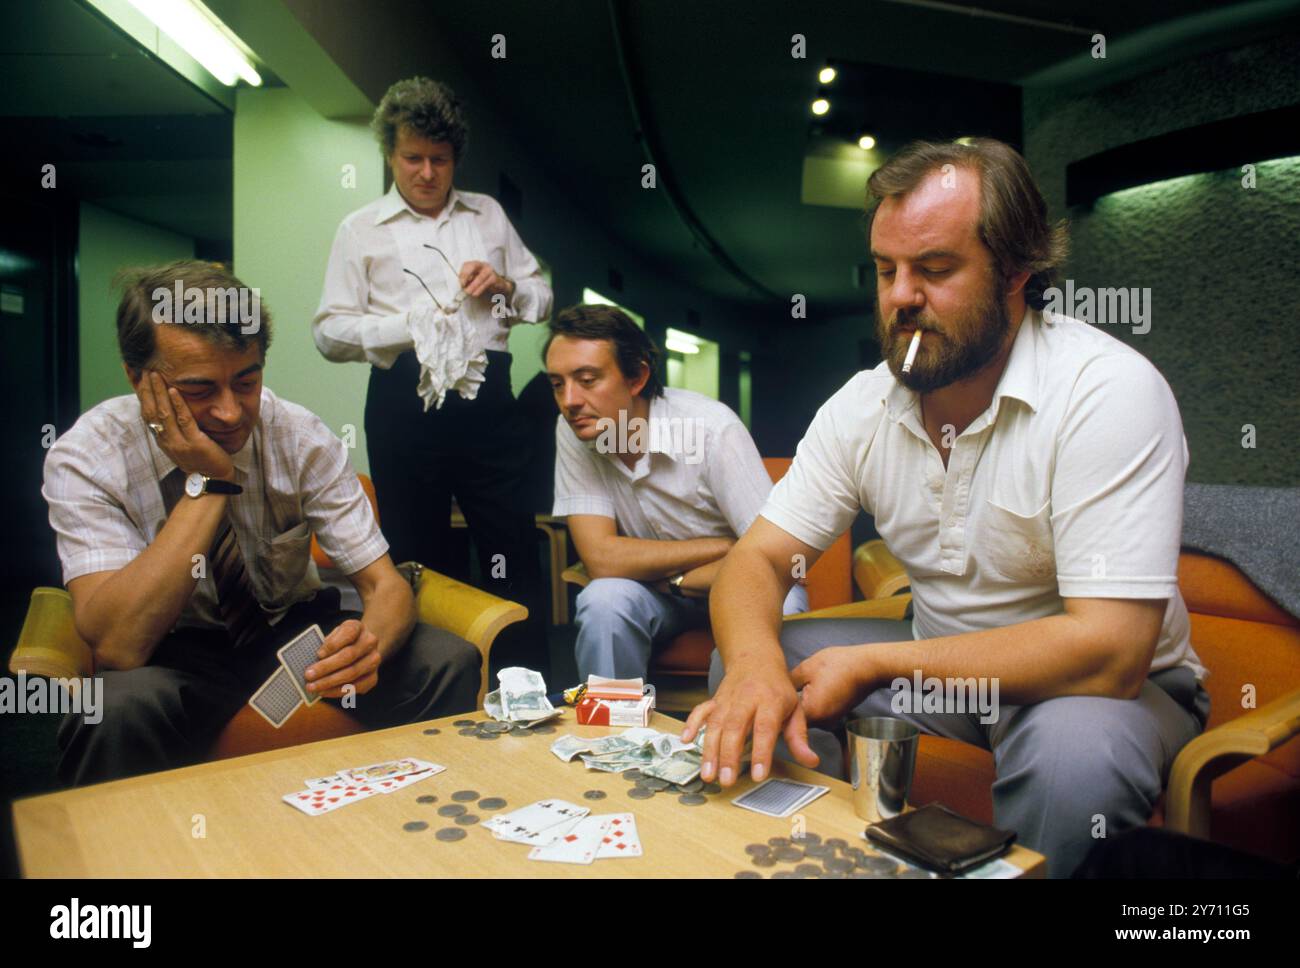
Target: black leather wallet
940	840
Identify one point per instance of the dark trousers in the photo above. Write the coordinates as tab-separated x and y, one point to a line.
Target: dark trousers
476	451
168	713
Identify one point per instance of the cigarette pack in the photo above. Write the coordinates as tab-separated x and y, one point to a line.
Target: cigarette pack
595	711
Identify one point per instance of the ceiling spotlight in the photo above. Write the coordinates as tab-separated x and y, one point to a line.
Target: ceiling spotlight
866	142
826	75
820	106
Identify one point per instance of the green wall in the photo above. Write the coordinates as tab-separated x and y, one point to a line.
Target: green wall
291	192
109	242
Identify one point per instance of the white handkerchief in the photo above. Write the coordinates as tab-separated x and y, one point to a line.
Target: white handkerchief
449	355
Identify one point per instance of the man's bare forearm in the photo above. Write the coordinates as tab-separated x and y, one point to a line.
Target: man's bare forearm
389	612
129	613
745	609
645	560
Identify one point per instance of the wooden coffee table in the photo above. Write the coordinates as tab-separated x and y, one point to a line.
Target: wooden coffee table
146	826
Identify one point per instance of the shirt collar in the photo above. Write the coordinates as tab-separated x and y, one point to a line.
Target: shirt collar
1020	379
393	204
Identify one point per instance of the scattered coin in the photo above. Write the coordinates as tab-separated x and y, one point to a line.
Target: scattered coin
640	793
764	860
778	841
712	788
427	798
838	865
788	854
414	825
545	729
465	722
653	783
807	838
819	851
784	876
488	735
877	865
520	731
839	843
694	786
832	876
467	819
495	727
692	799
758	850
468	731
808	870
594	795
451	833
465	796
432	731
632	774
451	810
748	876
491	803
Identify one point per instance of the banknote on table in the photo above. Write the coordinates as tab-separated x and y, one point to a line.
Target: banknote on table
656	754
521	698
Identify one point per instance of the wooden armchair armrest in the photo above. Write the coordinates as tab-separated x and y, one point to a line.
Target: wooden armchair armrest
1218	750
473	614
576	575
871	608
877	573
48	644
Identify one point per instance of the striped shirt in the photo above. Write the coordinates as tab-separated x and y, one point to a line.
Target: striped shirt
103	486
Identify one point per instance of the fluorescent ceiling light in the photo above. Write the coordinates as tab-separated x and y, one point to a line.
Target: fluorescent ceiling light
821	106
680	342
201	35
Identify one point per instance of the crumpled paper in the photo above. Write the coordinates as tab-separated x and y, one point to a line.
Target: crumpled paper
446	344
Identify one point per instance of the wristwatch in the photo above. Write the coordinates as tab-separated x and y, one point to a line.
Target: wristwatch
196	485
675	584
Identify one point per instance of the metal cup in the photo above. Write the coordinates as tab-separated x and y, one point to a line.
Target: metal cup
882	758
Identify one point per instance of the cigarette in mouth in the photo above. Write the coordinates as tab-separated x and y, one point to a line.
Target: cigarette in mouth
911	351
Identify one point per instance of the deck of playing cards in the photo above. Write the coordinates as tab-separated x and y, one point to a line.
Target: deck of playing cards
327	793
562	832
779	798
280	696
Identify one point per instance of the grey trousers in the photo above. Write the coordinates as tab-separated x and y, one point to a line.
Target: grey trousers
168	713
620	620
1068	770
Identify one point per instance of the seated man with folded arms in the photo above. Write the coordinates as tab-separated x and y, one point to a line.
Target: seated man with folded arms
1028	472
656	485
184	517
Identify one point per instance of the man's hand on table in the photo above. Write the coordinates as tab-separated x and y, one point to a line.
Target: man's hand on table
758	698
350	655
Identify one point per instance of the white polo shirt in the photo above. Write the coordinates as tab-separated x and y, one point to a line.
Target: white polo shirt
1070	485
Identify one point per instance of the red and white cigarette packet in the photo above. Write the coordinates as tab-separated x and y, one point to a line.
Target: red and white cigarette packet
595	711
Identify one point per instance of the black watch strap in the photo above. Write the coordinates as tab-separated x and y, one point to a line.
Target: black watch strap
215	486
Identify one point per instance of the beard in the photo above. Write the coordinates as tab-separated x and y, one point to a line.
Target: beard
969	344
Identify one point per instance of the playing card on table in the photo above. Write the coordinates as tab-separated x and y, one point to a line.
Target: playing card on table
621	839
393	773
527	825
779	798
315	802
276	699
297	655
319	782
579	845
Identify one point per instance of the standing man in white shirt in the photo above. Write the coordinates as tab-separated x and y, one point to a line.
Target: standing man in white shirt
656	485
422	248
1028	472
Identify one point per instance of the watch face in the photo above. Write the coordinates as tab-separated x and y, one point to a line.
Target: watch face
194	484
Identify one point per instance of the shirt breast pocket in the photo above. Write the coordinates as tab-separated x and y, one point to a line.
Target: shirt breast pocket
1018	546
282	566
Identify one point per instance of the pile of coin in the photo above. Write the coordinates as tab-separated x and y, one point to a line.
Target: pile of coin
831	859
490	729
457	812
693	793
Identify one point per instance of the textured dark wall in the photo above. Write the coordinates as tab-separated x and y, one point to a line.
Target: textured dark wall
1220	259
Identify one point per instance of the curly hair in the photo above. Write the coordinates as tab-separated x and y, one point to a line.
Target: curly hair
427	108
